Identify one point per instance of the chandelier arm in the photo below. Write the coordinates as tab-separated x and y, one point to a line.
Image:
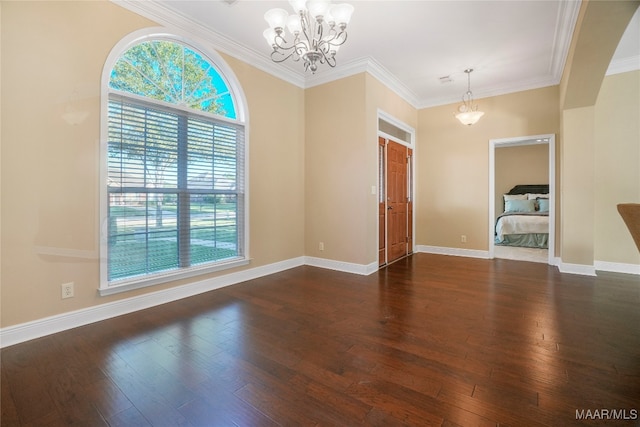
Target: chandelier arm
315	41
318	31
297	49
306	26
279	43
325	57
330	60
337	39
279	56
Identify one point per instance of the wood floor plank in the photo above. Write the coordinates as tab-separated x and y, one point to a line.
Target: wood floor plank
399	402
9	414
217	405
130	417
428	340
20	365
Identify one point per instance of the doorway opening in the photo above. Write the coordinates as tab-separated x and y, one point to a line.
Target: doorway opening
495	200
395	189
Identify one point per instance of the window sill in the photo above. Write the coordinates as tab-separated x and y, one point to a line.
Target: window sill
143	282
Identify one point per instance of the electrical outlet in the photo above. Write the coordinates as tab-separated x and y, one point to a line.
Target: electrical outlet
321	246
463	238
67	290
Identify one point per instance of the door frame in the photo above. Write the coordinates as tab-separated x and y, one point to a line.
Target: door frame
550	140
409	142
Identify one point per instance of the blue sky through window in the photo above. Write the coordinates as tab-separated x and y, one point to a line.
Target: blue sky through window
173	73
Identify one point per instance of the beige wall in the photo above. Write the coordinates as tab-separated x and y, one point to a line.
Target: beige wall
55	51
600	165
342	165
523	164
577	202
276	177
593	134
453	163
617	165
380	97
313	161
335	175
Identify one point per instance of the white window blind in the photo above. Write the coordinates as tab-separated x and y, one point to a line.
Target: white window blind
175	189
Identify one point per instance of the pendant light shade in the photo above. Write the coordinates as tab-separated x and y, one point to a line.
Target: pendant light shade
468	113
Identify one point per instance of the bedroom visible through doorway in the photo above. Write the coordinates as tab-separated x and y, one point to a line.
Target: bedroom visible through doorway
522	223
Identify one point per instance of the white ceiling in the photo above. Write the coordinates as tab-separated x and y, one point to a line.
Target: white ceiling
409	45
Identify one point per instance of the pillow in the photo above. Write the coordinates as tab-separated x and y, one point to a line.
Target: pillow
520	206
515	197
532	196
543	205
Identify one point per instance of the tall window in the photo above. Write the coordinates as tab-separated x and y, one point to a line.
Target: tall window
175	167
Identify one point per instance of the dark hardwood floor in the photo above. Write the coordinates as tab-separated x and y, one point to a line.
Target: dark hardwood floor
429	340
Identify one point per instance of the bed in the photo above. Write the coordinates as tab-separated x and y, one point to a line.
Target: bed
525	220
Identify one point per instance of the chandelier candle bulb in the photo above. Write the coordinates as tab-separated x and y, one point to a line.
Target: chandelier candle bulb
270	35
342	13
293	24
318	8
299	6
276	18
315	32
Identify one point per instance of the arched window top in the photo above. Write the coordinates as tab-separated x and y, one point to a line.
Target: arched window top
173	73
173	171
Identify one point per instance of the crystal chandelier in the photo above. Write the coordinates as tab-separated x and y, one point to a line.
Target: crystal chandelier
468	113
318	29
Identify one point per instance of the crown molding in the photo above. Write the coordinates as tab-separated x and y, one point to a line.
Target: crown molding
350	68
624	65
170	18
565	26
392	82
365	65
498	90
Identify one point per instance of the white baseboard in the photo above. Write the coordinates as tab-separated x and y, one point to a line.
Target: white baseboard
38	328
617	267
581	269
347	267
441	250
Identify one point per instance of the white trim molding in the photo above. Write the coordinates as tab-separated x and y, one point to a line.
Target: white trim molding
624	65
617	267
16	334
39	328
580	269
225	72
441	250
163	14
550	141
346	267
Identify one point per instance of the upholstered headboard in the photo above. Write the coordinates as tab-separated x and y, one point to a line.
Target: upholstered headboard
530	188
